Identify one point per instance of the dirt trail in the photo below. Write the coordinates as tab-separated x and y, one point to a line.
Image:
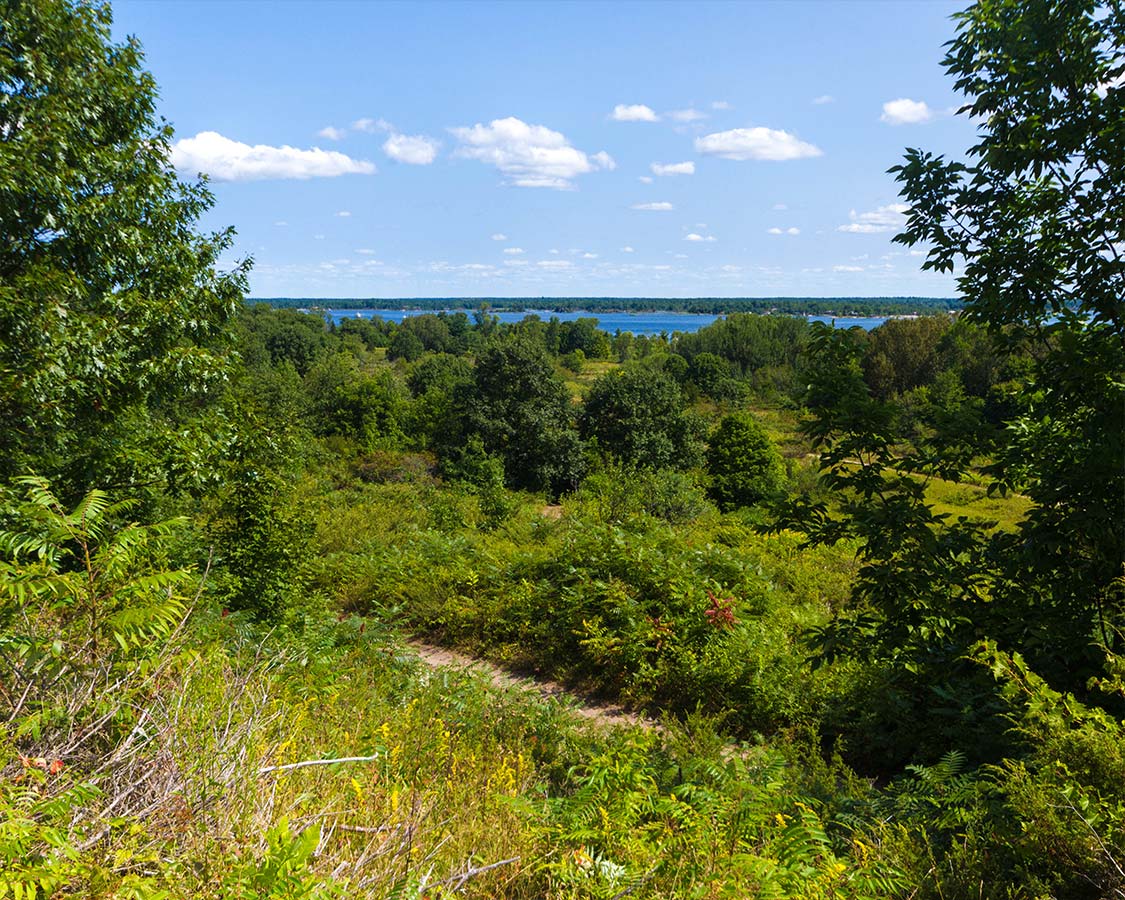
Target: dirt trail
586	707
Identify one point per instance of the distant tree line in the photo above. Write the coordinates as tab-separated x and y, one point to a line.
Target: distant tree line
794	306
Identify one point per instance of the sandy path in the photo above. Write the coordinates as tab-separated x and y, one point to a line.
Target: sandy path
586	707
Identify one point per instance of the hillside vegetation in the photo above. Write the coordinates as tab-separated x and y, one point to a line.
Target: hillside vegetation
869	584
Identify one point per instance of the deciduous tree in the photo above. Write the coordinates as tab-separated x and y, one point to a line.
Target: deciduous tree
110	298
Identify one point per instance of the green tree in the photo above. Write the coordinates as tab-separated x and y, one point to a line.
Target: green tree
520	410
405	345
261	539
903	354
368	409
637	415
744	465
1035	223
110	299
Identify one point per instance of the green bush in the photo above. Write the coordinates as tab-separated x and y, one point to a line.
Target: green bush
744	466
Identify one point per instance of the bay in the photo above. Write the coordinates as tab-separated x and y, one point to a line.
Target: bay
646	323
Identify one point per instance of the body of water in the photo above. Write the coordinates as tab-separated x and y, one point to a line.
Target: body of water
636	323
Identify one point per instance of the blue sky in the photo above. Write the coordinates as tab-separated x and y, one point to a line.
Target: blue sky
541	149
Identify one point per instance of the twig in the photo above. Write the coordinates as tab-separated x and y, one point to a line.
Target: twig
462	877
316	762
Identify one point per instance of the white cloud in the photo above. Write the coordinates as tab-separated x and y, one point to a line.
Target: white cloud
318	237
589	256
555	264
686	115
780	207
906	112
281	224
891	217
627	250
696	238
644	179
720	104
332	134
499	236
443	266
516	262
529	155
414	149
847	268
225	160
659	206
372	126
344	214
755	143
823	99
636	112
681	168
514	251
603	160
365	251
792	231
730	268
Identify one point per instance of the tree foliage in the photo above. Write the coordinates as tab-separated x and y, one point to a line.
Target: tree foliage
1034	224
520	410
637	415
109	297
743	463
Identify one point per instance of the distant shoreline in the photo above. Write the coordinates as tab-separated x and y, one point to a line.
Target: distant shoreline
820	306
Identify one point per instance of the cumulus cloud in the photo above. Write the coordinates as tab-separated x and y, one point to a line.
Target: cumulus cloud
555	264
603	160
331	133
344	214
686	115
589	256
697	238
823	99
793	231
636	112
212	154
904	111
627	250
528	155
513	250
372	126
681	168
847	268
499	236
659	206
644	179
414	149
755	143
891	217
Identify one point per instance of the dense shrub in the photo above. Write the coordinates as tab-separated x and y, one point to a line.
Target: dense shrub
743	464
